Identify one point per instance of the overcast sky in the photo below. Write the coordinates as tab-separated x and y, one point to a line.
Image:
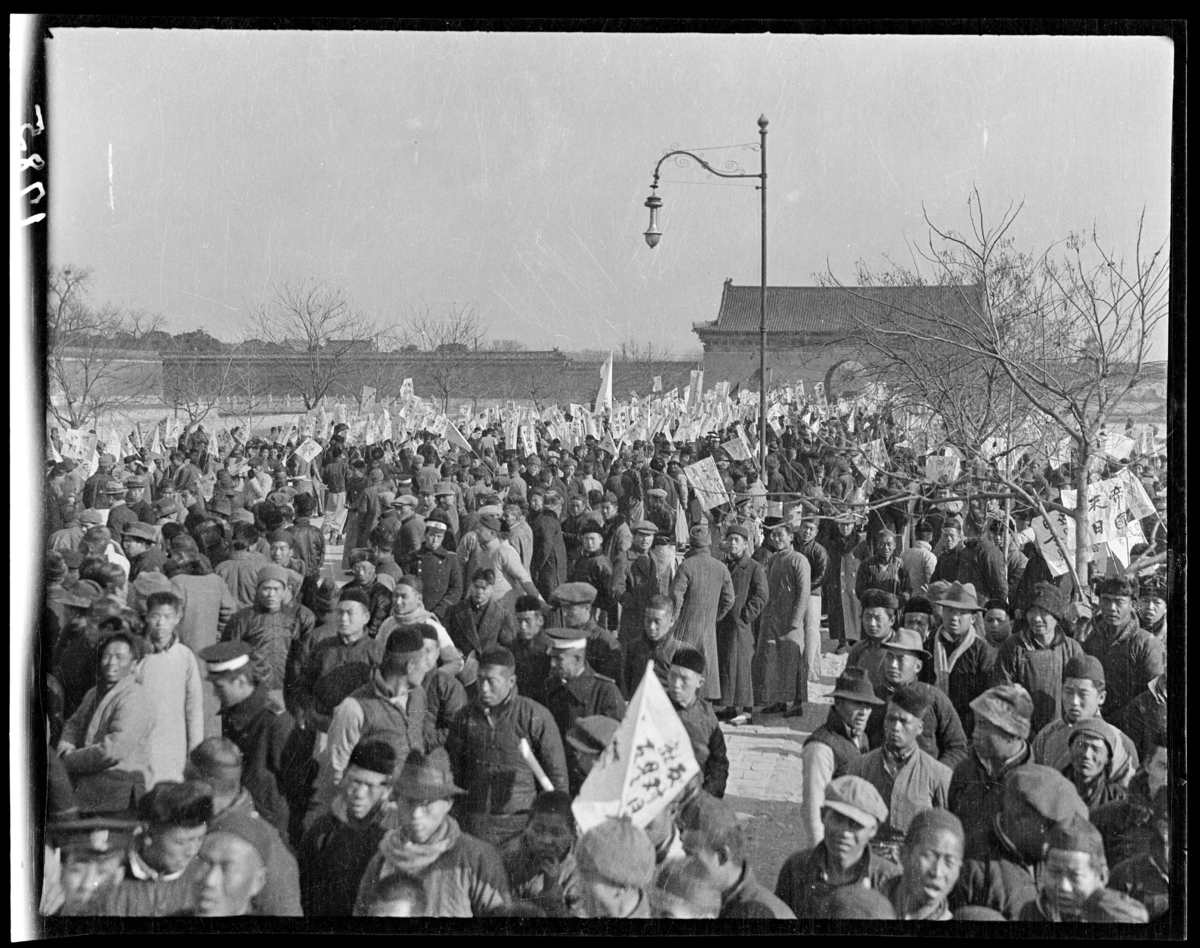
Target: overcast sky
508	171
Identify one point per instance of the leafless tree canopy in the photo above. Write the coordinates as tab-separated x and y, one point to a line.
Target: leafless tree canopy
1061	336
324	330
87	361
451	337
630	350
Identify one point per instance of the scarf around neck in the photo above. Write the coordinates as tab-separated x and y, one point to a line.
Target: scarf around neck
943	664
402	855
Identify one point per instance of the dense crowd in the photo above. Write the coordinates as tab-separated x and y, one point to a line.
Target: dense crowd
235	728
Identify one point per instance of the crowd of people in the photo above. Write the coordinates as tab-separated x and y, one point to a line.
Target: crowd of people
235	727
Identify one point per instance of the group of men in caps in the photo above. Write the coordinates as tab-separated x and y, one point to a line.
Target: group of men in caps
409	741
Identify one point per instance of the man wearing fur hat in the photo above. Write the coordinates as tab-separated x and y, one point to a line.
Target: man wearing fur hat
1131	656
1036	657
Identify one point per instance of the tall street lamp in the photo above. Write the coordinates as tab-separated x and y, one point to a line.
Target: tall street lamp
653	235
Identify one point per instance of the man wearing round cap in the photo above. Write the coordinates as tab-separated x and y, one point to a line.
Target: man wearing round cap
575	602
703	594
685	680
277	755
344	837
274	628
390	707
461	876
964	661
999	872
636	578
978	562
999	745
909	779
1152	606
1131	656
852	813
831	748
942	735
614	872
735	632
485	747
575	690
1084	692
232	869
780	669
1075	871
1036	657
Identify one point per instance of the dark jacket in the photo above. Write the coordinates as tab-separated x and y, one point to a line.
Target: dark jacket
381	599
802	886
1142	719
487	763
1126	825
970	677
943	738
533	666
1131	657
837	737
334	854
749	899
735	631
440	572
977	795
277	765
272	635
635	579
979	562
818	561
594	568
281	894
994	876
1038	670
445	699
589	694
477	631
328	655
641	652
708	744
549	564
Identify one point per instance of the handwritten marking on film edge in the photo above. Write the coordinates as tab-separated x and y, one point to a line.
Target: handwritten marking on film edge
34	162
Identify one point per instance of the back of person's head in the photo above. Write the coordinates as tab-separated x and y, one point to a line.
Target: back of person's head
172	803
382	538
217	761
553	802
397	890
304	504
245	535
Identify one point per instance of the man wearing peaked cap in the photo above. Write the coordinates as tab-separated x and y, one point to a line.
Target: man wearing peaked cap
615	863
999	872
92	852
575	690
277	755
941	735
852	813
832	747
575	602
702	591
964	661
912	779
998	746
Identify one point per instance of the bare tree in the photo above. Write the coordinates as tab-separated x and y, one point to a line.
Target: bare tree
323	332
449	342
508	345
89	349
245	389
194	386
630	350
1069	330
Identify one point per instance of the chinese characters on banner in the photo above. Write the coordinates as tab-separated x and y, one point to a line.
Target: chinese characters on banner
308	450
942	468
706	480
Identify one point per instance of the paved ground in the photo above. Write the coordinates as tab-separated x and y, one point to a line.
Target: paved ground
764	762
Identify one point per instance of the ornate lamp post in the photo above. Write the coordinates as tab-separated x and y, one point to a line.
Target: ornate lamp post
653	235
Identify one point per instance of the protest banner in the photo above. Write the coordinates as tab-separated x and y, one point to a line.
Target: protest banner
646	765
1044	530
737	450
706	481
942	468
308	450
406	390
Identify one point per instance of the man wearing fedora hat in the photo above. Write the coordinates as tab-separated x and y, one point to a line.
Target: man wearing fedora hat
703	594
908	779
832	747
941	735
1036	657
461	876
964	661
140	543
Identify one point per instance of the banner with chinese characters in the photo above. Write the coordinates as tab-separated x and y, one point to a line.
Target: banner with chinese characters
706	480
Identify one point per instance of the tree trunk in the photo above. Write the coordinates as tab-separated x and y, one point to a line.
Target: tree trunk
1083	533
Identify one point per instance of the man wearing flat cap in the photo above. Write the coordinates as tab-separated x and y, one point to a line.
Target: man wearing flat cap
575	602
852	813
1131	656
484	745
999	746
999	872
575	690
140	543
636	579
1036	657
964	661
702	591
614	871
908	779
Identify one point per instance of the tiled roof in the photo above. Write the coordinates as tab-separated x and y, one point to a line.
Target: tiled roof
812	309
